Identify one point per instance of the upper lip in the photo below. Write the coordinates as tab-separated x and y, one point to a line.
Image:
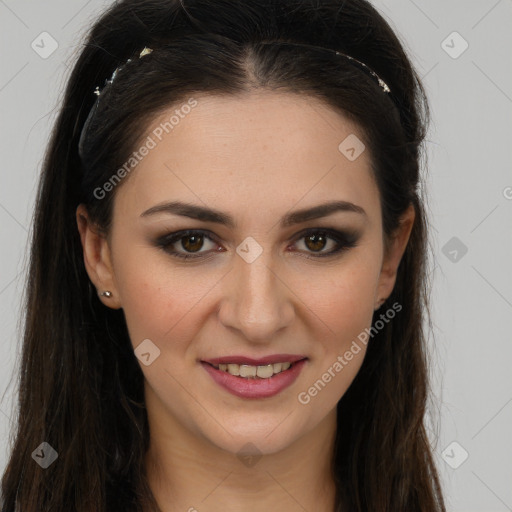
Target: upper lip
262	361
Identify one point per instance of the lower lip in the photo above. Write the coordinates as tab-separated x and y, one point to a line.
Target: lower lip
255	387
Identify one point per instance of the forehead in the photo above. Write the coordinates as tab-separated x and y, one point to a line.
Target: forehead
255	150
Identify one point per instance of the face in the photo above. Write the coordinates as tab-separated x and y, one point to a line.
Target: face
254	281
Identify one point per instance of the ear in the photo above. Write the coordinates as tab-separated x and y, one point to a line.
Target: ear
393	253
97	257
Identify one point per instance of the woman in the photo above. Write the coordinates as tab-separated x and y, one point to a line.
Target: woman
227	280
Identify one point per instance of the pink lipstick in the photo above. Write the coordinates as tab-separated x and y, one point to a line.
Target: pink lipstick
247	377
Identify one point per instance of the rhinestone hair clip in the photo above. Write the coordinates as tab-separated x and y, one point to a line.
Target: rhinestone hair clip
361	65
142	53
98	92
383	85
381	82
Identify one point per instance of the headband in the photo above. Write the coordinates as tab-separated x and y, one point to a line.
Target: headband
147	50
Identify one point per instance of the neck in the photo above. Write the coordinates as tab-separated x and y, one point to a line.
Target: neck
187	473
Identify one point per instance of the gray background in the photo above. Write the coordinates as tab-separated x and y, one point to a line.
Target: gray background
469	184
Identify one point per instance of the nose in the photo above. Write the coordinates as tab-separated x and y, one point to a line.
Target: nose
256	300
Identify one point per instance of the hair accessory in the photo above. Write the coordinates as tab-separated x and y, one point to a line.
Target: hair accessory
98	92
145	51
106	293
383	85
361	65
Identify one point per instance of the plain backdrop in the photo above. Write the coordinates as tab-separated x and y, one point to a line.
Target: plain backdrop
463	51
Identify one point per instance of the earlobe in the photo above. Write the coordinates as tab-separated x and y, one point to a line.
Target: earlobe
97	259
393	255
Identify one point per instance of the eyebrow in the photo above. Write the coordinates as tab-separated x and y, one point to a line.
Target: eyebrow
211	215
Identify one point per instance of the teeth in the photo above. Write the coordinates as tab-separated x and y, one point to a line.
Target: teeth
248	371
264	372
234	369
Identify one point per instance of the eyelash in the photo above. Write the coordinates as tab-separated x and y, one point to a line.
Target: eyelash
344	240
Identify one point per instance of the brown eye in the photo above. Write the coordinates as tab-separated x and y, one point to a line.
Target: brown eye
326	242
316	242
192	243
186	244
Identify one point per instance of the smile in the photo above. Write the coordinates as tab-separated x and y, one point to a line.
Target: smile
249	371
254	381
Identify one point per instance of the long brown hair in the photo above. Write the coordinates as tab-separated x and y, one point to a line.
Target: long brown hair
80	385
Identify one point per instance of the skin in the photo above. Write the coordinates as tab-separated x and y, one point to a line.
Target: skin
256	157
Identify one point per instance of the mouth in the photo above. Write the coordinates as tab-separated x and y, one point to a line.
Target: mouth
268	377
247	371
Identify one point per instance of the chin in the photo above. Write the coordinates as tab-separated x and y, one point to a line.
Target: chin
264	438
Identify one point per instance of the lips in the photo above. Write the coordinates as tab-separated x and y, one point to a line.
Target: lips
255	387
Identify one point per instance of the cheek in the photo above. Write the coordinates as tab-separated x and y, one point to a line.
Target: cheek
342	296
340	299
157	299
342	302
